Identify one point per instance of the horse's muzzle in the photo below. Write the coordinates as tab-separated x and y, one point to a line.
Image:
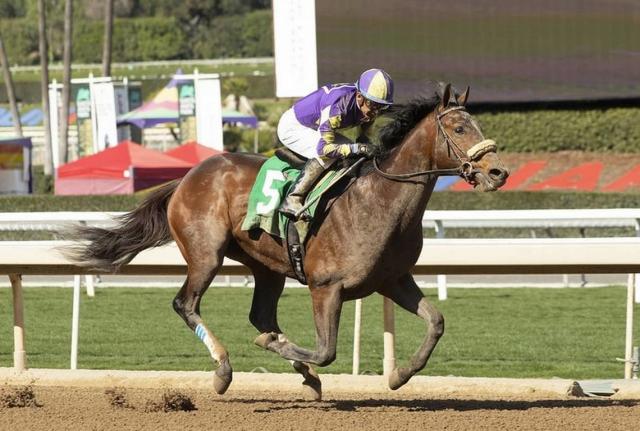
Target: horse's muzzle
489	174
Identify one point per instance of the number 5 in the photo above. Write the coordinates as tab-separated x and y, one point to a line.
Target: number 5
270	192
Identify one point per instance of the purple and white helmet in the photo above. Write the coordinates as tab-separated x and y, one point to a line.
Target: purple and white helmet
376	85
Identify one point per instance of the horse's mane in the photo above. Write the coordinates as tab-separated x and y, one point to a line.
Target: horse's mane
404	118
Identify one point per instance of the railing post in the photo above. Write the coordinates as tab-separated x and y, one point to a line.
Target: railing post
389	362
441	278
75	322
19	353
637	276
89	281
356	337
628	345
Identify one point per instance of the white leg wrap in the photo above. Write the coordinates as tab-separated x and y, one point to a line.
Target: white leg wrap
203	333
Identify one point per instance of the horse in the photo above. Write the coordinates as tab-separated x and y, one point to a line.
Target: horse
367	241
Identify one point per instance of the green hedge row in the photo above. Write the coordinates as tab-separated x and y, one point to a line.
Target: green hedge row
439	201
146	39
139	39
609	130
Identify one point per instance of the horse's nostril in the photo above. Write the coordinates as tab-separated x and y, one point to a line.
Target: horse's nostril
498	174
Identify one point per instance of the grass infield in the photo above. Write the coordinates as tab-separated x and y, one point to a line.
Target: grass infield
519	332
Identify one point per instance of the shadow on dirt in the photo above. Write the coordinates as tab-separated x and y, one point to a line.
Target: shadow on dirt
435	405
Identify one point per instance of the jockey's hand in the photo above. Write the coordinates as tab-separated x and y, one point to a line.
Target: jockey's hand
362	150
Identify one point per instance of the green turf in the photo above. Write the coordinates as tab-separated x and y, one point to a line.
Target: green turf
524	332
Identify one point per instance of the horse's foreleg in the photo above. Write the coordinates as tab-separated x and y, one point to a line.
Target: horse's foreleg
264	316
327	304
407	294
201	271
264	306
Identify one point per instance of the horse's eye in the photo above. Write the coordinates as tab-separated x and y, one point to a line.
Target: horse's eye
459	130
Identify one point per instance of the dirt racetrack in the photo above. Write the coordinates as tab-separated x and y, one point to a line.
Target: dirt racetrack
131	407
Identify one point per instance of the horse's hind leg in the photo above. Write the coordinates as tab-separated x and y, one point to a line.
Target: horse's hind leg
407	294
204	257
264	316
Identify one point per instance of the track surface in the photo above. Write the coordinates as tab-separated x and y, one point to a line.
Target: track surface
79	399
89	408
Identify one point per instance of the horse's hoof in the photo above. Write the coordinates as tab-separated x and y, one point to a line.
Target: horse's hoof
263	340
311	386
398	377
222	378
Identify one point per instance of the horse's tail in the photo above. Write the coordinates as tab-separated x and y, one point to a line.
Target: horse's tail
109	249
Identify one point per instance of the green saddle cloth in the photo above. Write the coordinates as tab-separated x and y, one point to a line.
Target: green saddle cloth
272	184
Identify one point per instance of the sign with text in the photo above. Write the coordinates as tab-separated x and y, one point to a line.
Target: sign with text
294	33
106	132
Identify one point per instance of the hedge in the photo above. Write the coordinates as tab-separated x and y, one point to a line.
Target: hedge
439	201
139	39
147	39
20	38
608	130
612	130
249	35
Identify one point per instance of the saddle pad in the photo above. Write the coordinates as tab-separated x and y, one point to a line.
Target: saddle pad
271	186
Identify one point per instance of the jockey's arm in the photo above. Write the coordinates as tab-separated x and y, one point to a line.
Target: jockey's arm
327	145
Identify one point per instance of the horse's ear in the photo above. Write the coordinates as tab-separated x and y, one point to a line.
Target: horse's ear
446	96
462	99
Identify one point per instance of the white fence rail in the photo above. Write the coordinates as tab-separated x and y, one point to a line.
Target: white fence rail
531	219
615	255
439	256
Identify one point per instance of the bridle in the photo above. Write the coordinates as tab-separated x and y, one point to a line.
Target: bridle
465	169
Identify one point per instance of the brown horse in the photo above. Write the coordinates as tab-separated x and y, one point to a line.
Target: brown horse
367	242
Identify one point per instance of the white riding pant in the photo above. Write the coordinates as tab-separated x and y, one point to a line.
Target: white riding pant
301	139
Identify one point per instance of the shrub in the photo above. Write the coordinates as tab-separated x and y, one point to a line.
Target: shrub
607	130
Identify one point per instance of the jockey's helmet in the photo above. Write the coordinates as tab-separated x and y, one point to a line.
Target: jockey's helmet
376	85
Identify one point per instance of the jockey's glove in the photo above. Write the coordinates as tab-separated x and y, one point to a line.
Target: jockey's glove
361	149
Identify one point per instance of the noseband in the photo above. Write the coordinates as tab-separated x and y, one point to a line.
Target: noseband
465	169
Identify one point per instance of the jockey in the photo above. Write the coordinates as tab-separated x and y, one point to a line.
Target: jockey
310	127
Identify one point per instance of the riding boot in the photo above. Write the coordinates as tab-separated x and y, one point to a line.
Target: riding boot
303	185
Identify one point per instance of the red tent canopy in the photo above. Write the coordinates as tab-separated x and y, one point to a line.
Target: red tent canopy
192	152
123	169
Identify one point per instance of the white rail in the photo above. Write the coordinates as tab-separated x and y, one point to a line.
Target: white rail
531	219
453	256
439	256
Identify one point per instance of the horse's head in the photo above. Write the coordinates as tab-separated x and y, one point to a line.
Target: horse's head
460	144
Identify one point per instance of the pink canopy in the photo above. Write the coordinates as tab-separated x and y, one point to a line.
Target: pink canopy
192	152
123	169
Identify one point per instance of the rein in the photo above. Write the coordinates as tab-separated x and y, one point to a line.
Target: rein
465	169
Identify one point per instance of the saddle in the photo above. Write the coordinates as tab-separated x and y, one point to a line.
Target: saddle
273	183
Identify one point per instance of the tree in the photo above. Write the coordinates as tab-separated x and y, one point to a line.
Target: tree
44	85
12	8
66	80
8	81
108	38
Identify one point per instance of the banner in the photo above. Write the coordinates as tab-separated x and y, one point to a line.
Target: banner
135	95
55	103
15	166
106	132
187	111
209	113
84	123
